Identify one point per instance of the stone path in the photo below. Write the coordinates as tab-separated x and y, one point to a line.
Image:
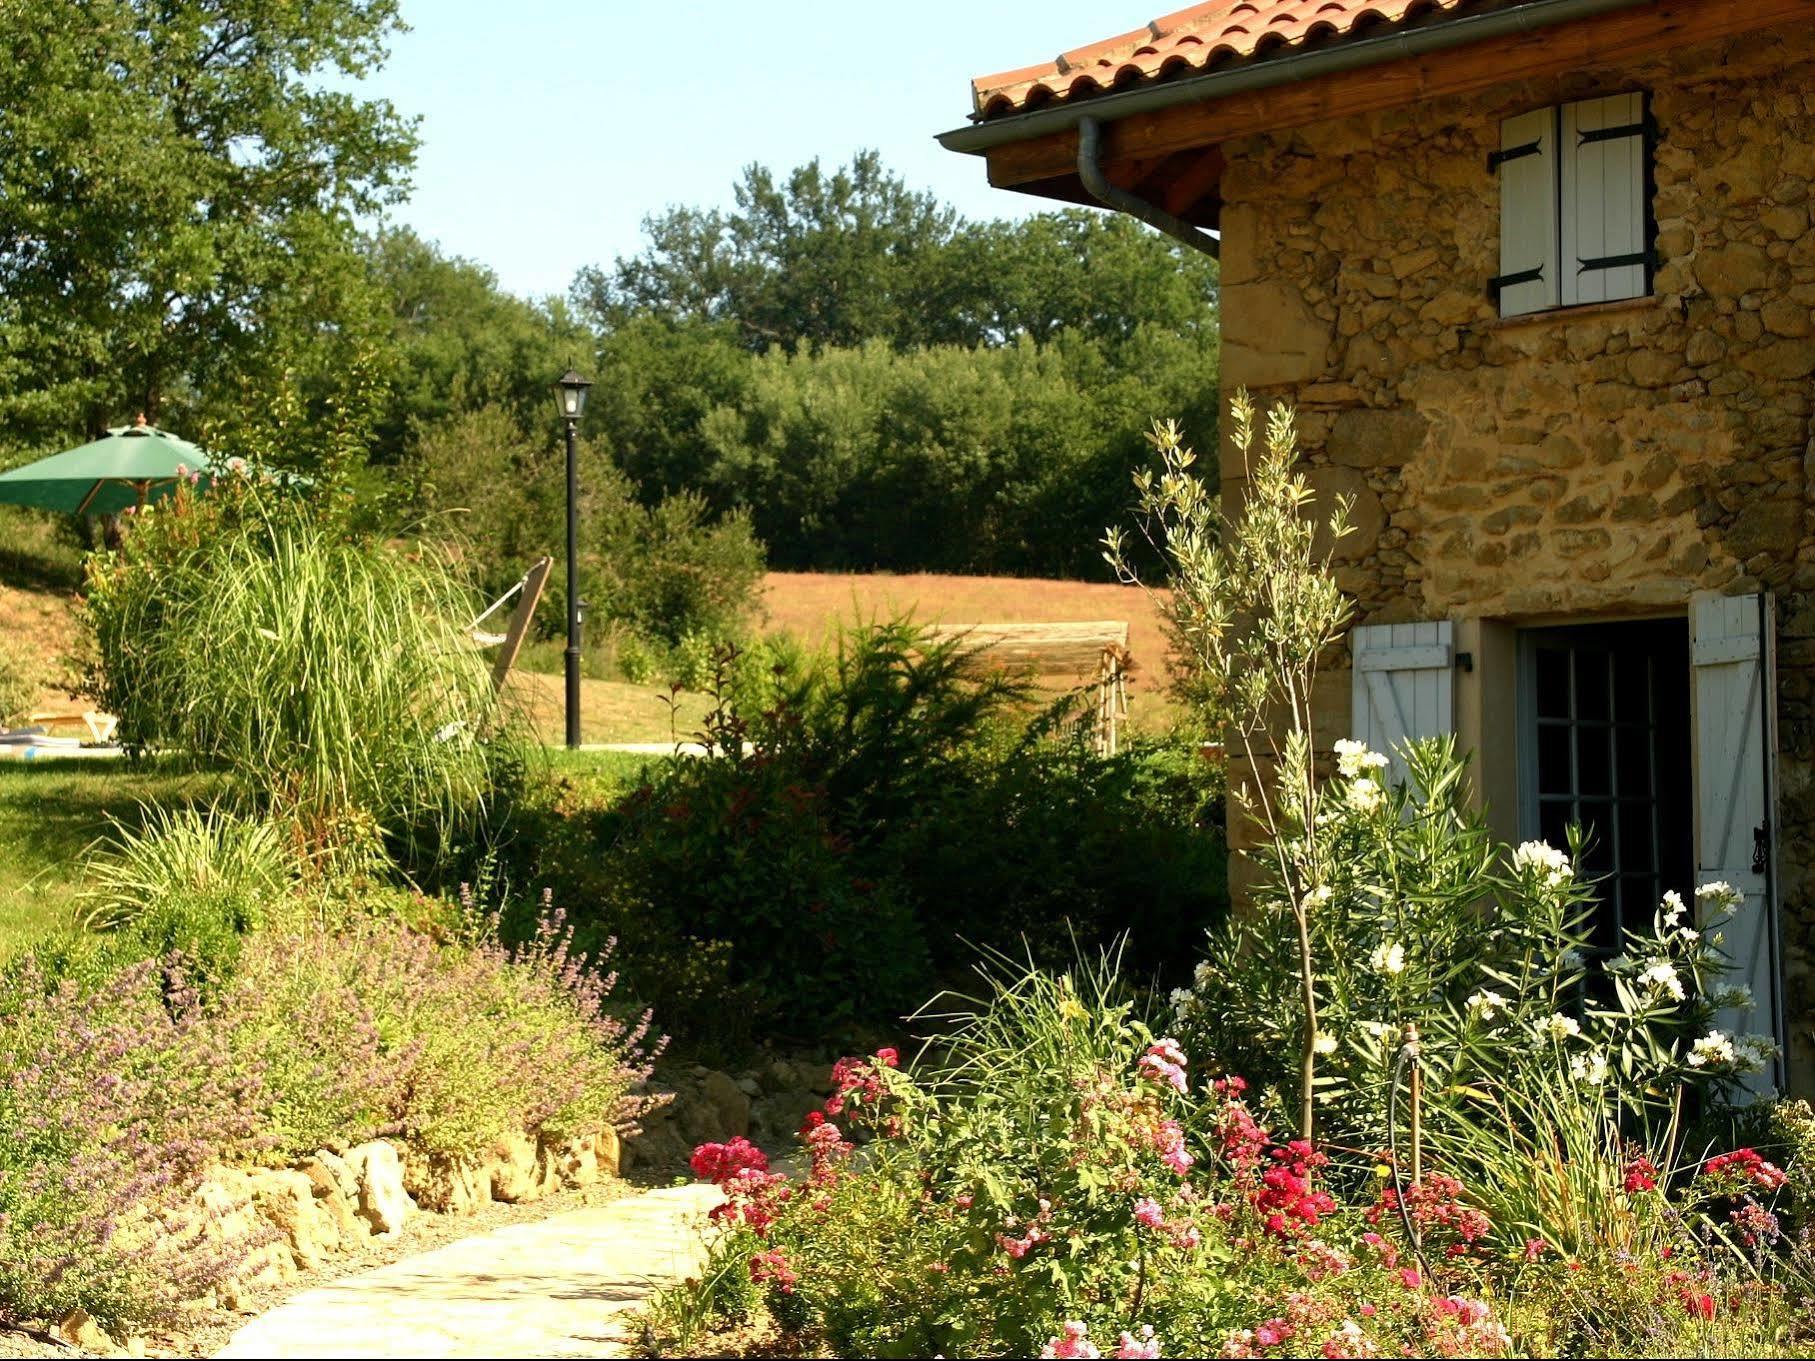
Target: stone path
564	1286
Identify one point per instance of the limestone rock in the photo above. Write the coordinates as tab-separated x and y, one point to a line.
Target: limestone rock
1366	516
516	1175
452	1186
1271	336
1373	439
80	1330
1732	270
575	1161
382	1202
331	1195
286	1200
729	1102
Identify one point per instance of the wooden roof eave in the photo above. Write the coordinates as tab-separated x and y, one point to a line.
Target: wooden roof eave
1174	137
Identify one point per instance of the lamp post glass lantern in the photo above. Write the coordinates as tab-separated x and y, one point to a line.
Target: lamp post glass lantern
570	390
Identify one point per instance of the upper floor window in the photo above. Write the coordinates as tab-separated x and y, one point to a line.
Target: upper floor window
1575	205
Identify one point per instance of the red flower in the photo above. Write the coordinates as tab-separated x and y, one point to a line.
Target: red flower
1641	1175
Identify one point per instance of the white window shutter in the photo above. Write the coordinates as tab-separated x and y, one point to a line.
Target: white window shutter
1732	656
1605	238
1403	686
1527	165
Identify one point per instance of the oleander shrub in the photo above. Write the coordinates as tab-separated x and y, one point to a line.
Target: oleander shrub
333	675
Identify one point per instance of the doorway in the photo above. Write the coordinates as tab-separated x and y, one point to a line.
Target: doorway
1605	737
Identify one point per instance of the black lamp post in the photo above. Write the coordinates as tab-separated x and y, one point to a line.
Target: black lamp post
571	390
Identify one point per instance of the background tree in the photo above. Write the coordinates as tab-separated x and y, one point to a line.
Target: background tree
177	200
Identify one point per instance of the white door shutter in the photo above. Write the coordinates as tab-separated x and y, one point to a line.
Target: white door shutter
1606	242
1735	705
1527	164
1403	686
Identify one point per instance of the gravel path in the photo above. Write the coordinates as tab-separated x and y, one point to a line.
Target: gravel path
563	1286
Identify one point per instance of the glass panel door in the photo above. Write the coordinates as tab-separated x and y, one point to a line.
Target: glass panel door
1605	744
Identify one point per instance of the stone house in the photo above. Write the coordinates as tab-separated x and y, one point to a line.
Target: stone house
1539	277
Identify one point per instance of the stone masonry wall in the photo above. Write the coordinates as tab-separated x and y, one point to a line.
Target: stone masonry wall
1594	462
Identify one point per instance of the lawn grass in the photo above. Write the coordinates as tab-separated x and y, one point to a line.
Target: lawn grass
610	711
52	811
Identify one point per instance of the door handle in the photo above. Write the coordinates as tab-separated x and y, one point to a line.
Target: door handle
1761	848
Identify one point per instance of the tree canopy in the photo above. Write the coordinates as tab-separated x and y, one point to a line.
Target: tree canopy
178	194
192	226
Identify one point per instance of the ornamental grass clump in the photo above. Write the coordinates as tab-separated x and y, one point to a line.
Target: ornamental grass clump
333	675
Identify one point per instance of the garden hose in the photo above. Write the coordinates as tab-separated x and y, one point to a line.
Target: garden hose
1407	1053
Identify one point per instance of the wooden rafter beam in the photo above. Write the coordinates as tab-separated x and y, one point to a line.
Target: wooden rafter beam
1604	40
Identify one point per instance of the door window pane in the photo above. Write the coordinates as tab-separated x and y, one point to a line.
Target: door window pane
1553	683
1592	701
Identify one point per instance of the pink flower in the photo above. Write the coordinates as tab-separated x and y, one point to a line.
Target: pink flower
1534	1248
772	1267
889	1057
1142	1348
1147	1210
721	1162
1273	1332
1073	1343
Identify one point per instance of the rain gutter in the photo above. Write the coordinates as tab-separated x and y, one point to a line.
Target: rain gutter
1090	171
1268	72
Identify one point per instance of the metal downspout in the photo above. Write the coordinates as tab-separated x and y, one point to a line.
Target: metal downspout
1090	171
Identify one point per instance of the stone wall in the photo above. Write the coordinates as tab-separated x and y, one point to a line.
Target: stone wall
1598	462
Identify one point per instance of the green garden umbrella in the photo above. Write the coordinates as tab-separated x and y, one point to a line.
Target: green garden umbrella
126	467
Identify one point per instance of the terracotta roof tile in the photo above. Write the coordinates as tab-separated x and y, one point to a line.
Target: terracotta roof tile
1188	42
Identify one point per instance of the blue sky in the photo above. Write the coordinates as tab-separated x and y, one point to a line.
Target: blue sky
551	127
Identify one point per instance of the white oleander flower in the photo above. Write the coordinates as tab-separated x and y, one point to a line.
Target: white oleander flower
1365	796
1660	977
1324	1043
1320	895
1720	896
1353	758
1732	997
1713	1050
1557	1026
1572	959
1486	1004
1674	907
1389	957
1688	935
1753	1052
1589	1068
1550	865
1202	974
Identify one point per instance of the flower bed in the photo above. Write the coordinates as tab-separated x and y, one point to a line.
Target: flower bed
156	1145
1062	1185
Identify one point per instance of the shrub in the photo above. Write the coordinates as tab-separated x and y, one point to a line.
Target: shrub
332	676
114	1096
119	1087
379	1030
21	677
889	805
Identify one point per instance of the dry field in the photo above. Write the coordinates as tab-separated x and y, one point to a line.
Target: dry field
811	606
